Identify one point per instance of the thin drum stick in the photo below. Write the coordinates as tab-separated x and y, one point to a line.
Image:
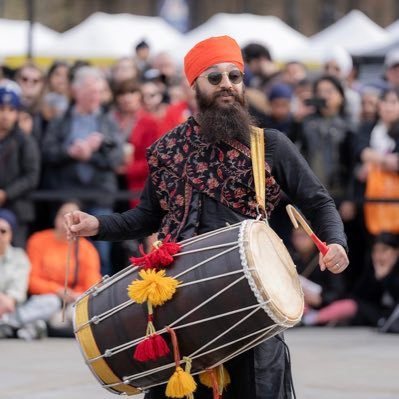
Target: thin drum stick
68	262
296	217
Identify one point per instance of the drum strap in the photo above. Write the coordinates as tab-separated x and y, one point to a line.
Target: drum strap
258	166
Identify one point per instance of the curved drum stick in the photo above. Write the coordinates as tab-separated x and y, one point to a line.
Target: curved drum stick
296	217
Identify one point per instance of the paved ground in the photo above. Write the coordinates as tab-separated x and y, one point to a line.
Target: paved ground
327	364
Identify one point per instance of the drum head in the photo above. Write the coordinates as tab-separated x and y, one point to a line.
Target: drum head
273	273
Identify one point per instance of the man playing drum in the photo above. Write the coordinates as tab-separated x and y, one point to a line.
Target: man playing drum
201	179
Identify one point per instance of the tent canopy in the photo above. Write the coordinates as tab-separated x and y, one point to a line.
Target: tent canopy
113	36
14	37
270	31
355	32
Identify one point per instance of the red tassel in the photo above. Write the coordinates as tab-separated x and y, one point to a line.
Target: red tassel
159	257
152	348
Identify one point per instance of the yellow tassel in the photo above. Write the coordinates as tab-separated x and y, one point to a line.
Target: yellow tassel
180	384
223	377
155	287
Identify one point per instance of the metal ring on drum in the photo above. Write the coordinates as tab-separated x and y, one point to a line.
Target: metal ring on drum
239	287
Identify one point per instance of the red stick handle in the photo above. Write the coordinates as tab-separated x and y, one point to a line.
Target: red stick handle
321	246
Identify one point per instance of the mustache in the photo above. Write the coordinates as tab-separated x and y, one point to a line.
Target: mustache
226	92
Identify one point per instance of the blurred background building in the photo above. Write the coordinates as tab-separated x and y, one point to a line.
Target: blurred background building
306	16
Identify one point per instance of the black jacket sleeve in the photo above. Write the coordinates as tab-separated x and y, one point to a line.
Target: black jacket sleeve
303	188
134	223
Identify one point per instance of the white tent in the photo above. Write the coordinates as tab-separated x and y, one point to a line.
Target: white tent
14	37
270	31
355	32
113	35
393	30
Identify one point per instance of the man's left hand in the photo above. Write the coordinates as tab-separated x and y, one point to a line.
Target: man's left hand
335	260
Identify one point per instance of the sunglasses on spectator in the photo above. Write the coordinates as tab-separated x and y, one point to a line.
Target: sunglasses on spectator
214	78
27	79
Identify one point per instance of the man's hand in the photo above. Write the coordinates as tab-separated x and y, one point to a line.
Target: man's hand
80	150
336	260
79	223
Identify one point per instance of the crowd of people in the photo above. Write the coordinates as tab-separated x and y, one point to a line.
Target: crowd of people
78	135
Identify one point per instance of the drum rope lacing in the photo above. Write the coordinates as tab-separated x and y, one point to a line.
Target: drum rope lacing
122	347
251	344
274	329
98	318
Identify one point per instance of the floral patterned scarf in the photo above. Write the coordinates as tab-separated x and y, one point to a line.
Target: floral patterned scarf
181	161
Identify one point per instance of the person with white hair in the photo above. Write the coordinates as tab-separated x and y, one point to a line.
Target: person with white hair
338	62
82	150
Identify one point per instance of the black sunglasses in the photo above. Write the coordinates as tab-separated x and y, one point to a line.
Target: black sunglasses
214	78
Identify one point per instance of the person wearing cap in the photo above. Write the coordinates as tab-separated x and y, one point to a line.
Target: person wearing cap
201	179
19	163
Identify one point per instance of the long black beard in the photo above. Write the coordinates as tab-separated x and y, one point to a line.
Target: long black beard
219	123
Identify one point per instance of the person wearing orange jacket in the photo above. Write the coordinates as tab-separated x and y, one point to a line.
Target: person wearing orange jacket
47	251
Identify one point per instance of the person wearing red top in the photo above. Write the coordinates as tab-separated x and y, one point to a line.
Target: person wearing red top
144	133
179	112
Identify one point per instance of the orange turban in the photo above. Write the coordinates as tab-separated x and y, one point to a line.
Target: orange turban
214	50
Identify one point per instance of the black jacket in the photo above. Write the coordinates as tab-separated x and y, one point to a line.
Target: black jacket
60	171
19	172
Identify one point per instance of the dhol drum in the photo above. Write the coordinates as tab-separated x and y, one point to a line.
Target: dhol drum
238	288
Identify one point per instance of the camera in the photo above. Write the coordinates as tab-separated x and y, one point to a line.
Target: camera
316	102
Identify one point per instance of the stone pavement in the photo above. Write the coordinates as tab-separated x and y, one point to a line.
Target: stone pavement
327	363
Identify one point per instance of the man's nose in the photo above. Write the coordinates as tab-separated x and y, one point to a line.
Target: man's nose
225	82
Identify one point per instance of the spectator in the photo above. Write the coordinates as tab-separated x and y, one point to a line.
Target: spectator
377	154
58	78
338	63
259	66
370	98
326	139
19	164
47	251
142	54
167	67
124	69
320	289
376	294
153	99
25	121
83	149
14	273
136	125
280	117
180	111
294	72
31	80
391	64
